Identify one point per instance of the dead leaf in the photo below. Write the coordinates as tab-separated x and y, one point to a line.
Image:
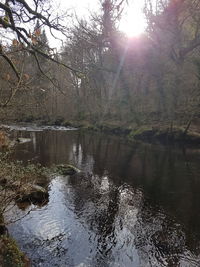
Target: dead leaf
15	42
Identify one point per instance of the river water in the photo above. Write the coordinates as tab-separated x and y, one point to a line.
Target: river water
134	204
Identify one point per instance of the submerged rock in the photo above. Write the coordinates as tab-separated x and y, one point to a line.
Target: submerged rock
66	169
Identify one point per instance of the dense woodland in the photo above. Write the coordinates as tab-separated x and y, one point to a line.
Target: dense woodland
99	75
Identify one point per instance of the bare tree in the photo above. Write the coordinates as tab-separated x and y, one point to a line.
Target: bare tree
17	21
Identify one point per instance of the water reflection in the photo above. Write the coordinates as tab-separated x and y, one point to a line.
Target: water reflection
133	205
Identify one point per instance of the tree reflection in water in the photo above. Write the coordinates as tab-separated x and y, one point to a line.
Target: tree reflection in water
133	205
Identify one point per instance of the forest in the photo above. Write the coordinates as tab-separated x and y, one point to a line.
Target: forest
99	76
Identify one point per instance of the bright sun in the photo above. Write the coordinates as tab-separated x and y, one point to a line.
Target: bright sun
133	23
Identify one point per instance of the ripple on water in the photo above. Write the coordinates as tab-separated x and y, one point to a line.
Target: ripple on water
102	218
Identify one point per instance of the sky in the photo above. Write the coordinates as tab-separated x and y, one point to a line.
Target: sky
132	23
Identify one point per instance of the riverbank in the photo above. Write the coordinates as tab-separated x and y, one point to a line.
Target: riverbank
19	185
151	134
162	133
16	189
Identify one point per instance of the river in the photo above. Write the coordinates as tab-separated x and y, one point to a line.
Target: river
133	205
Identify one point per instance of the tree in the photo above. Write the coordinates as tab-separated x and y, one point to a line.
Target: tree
17	19
174	25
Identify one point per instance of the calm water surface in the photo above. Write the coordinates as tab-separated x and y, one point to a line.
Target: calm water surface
134	205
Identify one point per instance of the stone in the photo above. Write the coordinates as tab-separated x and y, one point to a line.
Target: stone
32	193
67	169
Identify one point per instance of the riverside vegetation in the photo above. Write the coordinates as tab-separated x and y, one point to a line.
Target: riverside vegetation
19	184
158	133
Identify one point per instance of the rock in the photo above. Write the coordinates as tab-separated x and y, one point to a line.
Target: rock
67	169
32	193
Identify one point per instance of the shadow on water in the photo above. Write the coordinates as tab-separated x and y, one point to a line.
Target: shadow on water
133	204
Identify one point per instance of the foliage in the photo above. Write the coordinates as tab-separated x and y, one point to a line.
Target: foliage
10	253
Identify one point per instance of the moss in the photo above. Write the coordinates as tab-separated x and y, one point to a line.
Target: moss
18	181
66	169
194	135
131	135
141	130
15	175
108	128
165	135
67	123
90	127
10	253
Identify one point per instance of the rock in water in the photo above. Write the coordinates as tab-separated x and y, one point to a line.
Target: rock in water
67	169
33	193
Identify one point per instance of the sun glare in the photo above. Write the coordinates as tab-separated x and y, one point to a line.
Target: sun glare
133	23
